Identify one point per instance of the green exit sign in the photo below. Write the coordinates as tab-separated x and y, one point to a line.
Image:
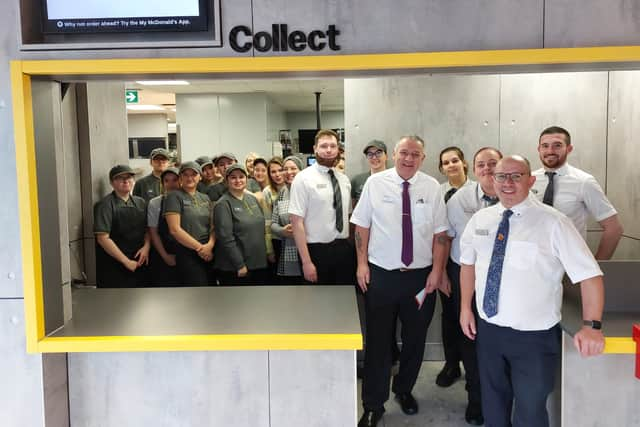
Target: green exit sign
131	96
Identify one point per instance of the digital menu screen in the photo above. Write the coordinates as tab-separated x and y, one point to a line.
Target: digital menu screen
94	16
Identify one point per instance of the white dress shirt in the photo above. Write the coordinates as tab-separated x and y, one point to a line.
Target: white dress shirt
380	210
311	198
576	194
460	208
542	245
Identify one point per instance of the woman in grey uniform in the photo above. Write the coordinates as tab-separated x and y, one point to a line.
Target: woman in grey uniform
289	269
241	252
120	221
188	215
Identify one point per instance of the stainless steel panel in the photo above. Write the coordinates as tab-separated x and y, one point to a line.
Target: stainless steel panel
444	109
624	175
169	389
21	392
570	23
312	388
56	394
576	101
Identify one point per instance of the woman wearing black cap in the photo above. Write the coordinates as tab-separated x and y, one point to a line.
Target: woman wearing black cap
188	215
122	239
241	252
289	270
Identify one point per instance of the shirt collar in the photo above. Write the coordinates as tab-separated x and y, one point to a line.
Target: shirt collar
399	180
481	192
322	169
561	171
521	208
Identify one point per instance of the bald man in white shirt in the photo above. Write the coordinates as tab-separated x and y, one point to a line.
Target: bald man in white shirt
515	254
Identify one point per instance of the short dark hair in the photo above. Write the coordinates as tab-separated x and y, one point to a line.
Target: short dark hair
260	160
495	150
556	129
326	132
460	154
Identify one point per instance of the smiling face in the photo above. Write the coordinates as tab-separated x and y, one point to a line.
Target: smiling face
170	182
189	180
517	182
408	156
237	181
452	166
276	174
553	150
290	171
484	164
260	174
377	159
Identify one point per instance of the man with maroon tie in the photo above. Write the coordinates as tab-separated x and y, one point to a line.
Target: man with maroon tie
401	224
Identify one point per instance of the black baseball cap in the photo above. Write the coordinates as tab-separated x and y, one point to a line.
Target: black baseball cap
118	170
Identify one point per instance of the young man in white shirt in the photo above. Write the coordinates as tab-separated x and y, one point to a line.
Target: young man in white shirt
574	192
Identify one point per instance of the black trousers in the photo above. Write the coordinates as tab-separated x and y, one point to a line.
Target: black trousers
390	295
162	275
111	274
517	372
335	262
193	270
451	331
465	347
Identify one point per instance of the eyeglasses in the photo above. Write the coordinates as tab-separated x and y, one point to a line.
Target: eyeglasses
377	154
502	177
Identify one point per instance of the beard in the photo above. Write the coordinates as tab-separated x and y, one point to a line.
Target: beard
323	161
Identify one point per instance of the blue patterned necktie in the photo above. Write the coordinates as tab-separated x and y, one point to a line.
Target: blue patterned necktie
494	274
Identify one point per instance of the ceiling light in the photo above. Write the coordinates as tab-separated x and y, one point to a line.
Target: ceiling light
163	82
139	107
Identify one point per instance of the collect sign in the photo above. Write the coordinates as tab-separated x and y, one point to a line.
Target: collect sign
280	39
131	96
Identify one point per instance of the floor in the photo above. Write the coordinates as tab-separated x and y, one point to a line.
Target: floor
441	407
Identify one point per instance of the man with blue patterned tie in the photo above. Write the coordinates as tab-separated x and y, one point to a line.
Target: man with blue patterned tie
514	255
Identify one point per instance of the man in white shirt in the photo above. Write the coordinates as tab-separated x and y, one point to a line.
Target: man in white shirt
319	206
401	247
515	254
574	192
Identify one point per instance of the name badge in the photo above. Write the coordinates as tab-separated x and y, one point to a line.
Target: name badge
321	186
482	232
237	209
387	199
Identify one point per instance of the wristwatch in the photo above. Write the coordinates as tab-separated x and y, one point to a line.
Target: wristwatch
595	324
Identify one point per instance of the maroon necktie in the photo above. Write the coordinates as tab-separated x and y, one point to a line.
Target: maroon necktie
407	231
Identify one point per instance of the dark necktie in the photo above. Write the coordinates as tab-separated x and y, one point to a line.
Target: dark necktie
548	193
337	200
494	274
488	200
407	229
449	193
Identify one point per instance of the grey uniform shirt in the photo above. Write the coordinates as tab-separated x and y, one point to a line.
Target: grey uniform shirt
195	213
357	184
240	234
124	222
148	187
216	191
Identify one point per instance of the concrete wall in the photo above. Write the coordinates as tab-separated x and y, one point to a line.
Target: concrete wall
307	120
212	123
147	125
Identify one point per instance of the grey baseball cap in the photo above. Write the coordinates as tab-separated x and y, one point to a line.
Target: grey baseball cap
377	144
174	171
227	155
118	170
159	152
204	161
190	165
235	167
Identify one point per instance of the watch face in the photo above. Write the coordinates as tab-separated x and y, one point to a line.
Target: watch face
595	324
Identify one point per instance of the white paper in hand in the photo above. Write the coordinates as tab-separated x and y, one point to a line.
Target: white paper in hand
420	296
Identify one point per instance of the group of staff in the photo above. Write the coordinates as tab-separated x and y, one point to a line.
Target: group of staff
497	251
207	222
